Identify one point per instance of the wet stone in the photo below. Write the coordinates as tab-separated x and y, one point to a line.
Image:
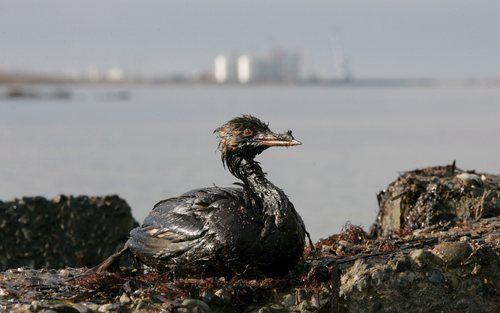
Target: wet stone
376	306
288	300
124	299
21	308
435	277
305	306
223	295
196	306
83	308
207	296
111	307
273	308
452	253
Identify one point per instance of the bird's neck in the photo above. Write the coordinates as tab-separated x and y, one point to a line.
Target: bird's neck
271	199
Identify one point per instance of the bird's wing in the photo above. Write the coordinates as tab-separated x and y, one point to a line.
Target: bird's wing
178	225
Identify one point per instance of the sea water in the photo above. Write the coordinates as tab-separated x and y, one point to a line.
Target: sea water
150	143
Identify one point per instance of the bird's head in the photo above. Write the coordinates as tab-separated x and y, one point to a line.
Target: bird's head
247	136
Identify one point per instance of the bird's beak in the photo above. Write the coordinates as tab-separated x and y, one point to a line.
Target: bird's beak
279	140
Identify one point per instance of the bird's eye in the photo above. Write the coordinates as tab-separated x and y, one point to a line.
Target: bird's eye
247	132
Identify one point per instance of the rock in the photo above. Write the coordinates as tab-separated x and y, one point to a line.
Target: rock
21	308
66	231
305	306
85	308
452	253
436	197
207	296
111	307
196	306
224	295
35	306
435	277
288	300
273	308
376	306
64	273
124	299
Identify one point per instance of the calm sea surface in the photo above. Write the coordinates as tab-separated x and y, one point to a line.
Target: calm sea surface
159	142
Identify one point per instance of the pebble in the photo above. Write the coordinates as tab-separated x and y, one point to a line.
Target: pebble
124	299
315	302
272	308
304	306
92	306
435	277
452	253
20	308
196	306
3	292
224	295
207	296
64	273
377	305
83	308
288	300
35	305
111	307
465	239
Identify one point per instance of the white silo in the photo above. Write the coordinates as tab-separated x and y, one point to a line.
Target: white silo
220	71
244	69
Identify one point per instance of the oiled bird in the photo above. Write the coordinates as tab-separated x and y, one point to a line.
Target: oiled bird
250	229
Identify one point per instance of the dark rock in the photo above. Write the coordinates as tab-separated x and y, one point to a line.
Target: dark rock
435	277
66	231
376	306
440	197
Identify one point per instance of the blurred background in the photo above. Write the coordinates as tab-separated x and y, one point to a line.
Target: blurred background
122	96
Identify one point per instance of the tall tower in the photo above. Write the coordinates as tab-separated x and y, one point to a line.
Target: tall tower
244	69
221	69
343	71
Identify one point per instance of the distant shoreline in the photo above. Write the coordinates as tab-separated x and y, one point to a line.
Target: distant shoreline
15	79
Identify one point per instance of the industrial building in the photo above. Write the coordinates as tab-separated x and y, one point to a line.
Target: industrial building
276	66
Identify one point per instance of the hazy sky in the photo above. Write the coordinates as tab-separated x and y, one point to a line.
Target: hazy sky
413	38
